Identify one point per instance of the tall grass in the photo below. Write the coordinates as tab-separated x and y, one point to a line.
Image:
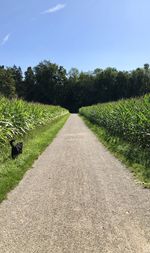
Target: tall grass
124	127
128	119
17	118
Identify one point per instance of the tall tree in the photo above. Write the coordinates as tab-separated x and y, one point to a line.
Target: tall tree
7	83
18	77
48	77
29	84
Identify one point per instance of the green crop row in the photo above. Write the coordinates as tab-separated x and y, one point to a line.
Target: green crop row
128	119
18	117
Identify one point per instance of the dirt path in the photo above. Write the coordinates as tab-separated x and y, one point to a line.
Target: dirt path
77	198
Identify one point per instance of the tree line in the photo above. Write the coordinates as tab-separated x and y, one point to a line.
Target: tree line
50	83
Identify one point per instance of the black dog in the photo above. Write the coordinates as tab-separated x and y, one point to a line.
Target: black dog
16	149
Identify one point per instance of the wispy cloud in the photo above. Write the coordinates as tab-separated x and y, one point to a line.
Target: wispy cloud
58	7
5	39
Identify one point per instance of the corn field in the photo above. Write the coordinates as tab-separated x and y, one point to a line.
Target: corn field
128	119
18	117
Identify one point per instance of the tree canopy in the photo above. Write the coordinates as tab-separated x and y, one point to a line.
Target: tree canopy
50	83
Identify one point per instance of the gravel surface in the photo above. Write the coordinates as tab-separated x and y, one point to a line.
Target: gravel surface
76	198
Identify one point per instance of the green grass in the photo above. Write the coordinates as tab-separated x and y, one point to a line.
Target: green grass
137	159
12	171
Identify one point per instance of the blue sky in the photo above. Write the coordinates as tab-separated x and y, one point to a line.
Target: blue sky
75	33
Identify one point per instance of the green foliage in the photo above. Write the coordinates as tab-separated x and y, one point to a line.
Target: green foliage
125	128
18	117
137	159
7	83
16	73
49	83
29	84
128	119
49	80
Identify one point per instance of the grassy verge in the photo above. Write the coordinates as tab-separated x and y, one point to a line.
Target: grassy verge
136	159
12	171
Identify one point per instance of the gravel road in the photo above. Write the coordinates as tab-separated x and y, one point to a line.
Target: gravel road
76	198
